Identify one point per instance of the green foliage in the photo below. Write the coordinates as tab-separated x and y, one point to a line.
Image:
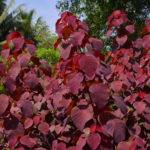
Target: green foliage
49	55
45	38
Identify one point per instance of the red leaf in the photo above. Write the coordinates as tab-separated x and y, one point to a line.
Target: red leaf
36	120
76	38
24	59
144	31
26	140
139	106
61	146
96	43
73	81
130	29
146	43
46	65
72	21
14	70
57	43
94	140
31	48
88	64
81	114
100	94
116	128
130	145
44	128
9	84
5	53
117	22
116	86
65	51
27	107
116	13
30	80
4	101
28	123
66	32
121	39
147	97
124	17
120	103
109	33
18	42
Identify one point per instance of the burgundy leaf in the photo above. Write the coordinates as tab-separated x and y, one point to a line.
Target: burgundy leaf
24	59
84	26
139	106
109	33
130	145
44	128
134	129
77	38
130	29
30	80
116	13
116	86
97	44
120	103
117	22
14	70
65	51
148	24
146	43
147	97
46	65
18	42
14	129
20	148
100	94
2	67
36	120
94	140
88	64
114	47
73	81
4	101
124	17
81	114
72	21
27	107
5	53
133	97
26	140
31	48
121	39
28	123
116	128
12	142
61	146
138	43
40	148
9	84
81	142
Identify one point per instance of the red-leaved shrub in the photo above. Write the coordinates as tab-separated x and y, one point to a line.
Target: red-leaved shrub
88	101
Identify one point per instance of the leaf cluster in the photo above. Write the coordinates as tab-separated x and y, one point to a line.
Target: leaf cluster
88	101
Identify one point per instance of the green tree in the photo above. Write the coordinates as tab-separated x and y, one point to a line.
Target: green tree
44	36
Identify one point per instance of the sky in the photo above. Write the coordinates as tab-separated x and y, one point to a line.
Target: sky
43	8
